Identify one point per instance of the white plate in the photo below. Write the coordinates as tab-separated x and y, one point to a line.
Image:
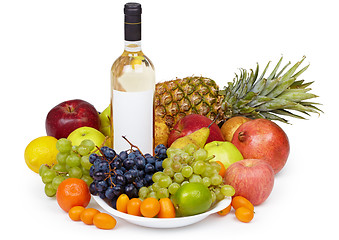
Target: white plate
163	222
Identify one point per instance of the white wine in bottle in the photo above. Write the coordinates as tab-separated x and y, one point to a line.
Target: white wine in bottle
132	89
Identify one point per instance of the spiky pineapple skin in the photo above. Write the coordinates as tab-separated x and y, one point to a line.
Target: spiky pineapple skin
250	95
191	95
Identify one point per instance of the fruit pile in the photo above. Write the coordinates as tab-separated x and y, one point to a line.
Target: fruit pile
210	144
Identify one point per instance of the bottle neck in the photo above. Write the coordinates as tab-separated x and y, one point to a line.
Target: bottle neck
133	28
133	46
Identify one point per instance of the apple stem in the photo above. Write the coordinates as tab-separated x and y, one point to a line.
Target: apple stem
132	145
215	119
69	108
210	158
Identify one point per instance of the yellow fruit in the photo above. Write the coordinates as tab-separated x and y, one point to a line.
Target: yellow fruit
41	150
231	125
161	132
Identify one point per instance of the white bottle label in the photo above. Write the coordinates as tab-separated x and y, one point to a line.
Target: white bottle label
133	118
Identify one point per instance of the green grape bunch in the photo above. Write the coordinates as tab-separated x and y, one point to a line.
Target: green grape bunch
182	166
72	162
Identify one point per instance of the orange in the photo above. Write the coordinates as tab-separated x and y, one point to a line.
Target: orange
133	207
222	169
225	211
167	209
73	192
150	207
104	221
122	203
75	212
88	214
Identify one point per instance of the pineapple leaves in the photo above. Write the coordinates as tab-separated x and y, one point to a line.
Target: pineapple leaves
272	97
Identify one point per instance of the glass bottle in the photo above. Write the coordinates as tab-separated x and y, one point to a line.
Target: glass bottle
132	89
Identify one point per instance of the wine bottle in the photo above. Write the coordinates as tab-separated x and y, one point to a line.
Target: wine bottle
132	89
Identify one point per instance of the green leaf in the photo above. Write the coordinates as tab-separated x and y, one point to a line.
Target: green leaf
252	77
287	113
283	69
250	96
247	110
297	95
301	71
270	86
259	100
286	80
259	86
281	87
263	73
272	116
276	103
272	75
301	108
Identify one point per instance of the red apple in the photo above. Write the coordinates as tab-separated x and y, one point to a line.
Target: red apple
251	178
70	115
263	139
192	123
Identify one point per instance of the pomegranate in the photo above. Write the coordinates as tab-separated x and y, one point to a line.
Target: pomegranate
263	139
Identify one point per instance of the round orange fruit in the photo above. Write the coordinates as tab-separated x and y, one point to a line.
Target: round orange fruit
88	214
75	212
73	192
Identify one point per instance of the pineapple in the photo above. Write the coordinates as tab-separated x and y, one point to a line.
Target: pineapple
250	95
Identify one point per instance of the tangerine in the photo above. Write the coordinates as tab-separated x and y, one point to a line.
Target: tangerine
133	206
75	212
240	201
104	221
73	192
150	207
225	211
88	214
244	214
167	209
121	204
222	169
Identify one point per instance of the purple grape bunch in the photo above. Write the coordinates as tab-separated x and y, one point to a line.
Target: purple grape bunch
114	174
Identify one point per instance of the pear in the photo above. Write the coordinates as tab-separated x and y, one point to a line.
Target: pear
105	122
197	138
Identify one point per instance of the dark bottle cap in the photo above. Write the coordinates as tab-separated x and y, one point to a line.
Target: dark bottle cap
132	12
132	8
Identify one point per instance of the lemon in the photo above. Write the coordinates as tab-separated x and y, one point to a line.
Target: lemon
41	150
192	198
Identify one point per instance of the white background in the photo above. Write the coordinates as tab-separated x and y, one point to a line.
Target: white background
52	51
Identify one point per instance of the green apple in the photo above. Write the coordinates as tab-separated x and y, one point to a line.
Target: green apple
82	133
224	152
105	126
